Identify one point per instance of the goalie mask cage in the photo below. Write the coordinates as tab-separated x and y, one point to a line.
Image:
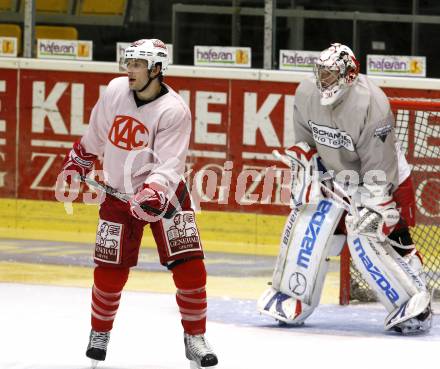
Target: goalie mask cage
418	130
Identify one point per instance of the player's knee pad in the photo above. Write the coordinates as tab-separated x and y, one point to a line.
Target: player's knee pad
399	287
302	264
110	279
189	273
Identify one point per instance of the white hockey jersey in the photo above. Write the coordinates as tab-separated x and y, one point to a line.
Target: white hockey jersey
356	133
146	144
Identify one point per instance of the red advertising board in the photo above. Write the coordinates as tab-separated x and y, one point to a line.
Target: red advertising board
54	110
236	125
8	131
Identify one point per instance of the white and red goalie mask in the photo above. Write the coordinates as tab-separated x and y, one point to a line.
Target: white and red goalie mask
336	69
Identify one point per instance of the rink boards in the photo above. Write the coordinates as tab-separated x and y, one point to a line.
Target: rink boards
244	233
239	116
221	231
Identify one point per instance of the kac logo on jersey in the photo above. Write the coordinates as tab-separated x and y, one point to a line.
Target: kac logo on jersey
128	133
331	137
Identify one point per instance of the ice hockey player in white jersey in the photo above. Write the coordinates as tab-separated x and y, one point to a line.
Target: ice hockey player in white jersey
343	125
141	129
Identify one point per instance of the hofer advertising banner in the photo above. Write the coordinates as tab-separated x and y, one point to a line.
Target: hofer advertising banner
8	46
222	56
298	60
236	125
64	49
394	65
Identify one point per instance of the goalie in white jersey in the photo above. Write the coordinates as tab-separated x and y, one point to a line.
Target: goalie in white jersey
343	124
141	129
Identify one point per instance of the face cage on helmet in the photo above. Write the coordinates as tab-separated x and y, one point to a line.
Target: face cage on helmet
326	78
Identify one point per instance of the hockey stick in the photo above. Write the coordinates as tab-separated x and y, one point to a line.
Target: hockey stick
295	166
126	198
282	158
325	176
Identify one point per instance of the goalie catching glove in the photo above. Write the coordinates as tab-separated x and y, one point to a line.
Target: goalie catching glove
376	213
149	203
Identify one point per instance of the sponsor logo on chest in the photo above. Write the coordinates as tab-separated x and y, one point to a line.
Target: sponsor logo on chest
128	133
331	137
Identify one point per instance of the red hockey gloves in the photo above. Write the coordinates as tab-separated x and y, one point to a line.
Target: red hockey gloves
149	203
79	161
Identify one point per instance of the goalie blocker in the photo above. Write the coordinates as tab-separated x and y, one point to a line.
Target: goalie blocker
308	240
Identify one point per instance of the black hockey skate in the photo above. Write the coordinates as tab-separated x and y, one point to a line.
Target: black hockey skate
420	324
198	351
97	348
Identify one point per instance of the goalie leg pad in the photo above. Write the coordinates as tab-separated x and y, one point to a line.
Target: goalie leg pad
302	264
398	286
386	272
414	316
306	244
284	308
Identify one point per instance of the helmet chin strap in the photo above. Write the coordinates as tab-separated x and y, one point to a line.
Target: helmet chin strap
149	81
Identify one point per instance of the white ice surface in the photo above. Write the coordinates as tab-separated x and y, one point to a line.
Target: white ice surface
47	327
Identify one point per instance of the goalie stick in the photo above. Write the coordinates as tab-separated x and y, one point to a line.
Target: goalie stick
125	197
348	206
